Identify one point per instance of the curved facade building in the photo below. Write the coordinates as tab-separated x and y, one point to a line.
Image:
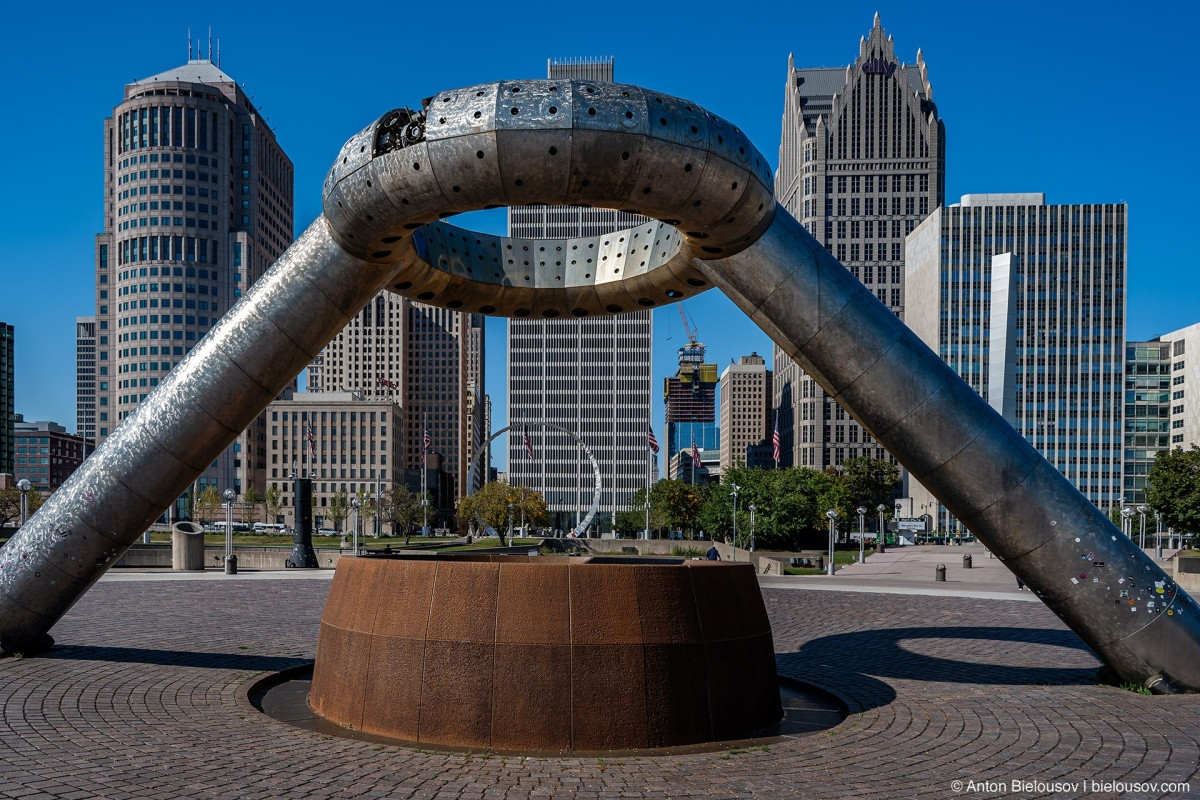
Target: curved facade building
198	203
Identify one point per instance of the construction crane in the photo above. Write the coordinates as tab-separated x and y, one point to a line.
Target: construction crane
688	329
692	353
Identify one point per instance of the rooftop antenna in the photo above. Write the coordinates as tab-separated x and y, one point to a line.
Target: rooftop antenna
210	43
189	42
218	52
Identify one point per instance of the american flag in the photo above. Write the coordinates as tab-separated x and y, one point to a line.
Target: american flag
428	441
528	444
777	450
312	453
651	441
385	382
695	453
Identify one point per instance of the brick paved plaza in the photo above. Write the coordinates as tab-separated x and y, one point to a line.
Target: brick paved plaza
146	697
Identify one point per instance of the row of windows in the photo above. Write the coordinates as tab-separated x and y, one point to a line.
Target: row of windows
167	126
166	158
168	248
167	205
169	222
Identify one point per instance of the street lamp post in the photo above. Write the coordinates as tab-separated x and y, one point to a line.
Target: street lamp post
1127	513
646	507
356	504
510	527
735	488
1142	509
24	486
862	534
523	512
833	515
1157	535
881	542
752	510
230	558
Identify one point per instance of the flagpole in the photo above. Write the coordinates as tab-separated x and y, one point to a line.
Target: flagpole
775	442
648	457
425	475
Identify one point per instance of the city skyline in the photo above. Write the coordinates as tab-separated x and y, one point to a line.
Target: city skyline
981	97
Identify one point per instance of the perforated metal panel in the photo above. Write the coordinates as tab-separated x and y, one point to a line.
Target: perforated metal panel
553	142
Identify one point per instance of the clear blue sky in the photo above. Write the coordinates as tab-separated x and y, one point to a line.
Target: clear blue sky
1091	104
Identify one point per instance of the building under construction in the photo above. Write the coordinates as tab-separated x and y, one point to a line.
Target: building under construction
690	398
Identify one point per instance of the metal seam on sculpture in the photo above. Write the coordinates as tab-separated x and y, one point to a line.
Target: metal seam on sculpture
851	306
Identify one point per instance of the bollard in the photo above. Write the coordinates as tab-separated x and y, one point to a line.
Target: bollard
967	561
187	546
940	573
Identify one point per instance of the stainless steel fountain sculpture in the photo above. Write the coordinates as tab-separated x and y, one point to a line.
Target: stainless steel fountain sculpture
709	189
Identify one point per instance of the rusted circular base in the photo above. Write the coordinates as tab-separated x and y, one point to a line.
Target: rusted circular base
546	653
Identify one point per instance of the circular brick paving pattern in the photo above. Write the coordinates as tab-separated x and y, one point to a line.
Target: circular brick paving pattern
145	697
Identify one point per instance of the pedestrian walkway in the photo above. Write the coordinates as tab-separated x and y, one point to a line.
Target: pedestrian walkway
146	696
911	570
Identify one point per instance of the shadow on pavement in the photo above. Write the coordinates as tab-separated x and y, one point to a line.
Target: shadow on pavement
852	664
179	658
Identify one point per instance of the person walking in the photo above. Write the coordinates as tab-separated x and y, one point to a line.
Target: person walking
712	554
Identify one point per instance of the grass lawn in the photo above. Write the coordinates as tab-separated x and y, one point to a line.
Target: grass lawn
285	540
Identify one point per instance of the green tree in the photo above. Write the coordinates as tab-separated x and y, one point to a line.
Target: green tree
207	503
1173	488
790	506
674	505
631	520
251	498
869	481
338	509
272	503
490	506
402	509
10	505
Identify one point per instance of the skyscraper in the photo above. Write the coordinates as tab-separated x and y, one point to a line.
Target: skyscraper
745	413
198	203
1026	301
590	375
861	162
7	408
428	360
85	378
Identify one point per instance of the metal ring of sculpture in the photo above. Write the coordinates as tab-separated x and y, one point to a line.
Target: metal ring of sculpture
555	143
586	523
618	147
